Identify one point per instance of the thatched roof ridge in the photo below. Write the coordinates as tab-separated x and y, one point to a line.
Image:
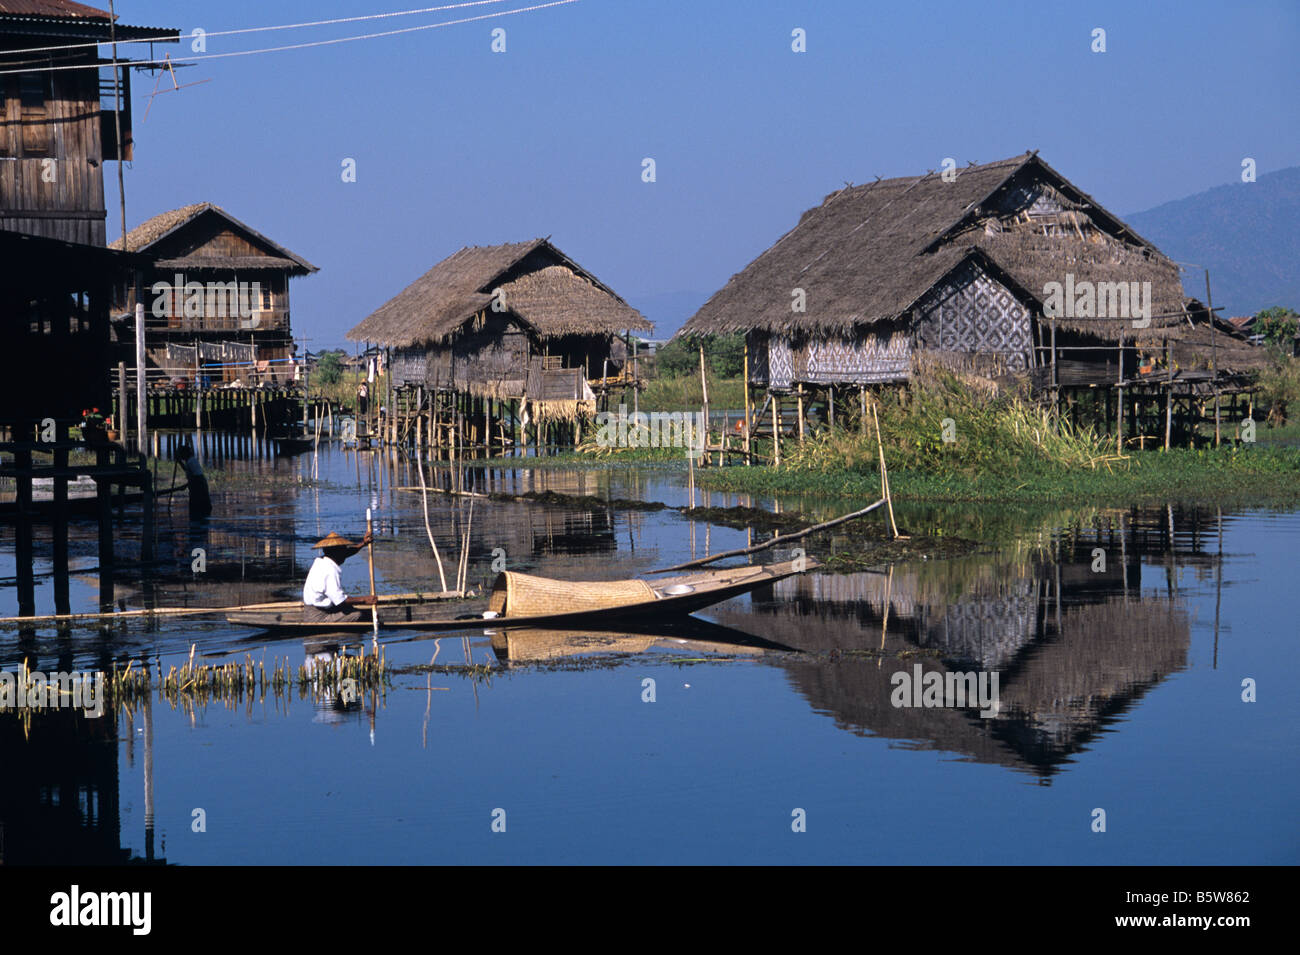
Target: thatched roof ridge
242	263
157	228
870	253
560	298
556	302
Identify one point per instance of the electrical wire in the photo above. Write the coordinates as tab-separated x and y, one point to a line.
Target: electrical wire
299	46
266	29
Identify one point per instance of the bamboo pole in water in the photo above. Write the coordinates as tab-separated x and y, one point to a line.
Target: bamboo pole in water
748	406
782	539
884	473
704	391
463	569
424	495
370	557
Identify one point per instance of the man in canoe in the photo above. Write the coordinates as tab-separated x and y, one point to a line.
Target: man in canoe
322	595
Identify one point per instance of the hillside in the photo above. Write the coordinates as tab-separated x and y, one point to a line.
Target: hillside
1247	234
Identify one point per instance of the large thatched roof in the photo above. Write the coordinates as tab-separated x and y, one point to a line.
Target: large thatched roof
870	253
539	284
149	234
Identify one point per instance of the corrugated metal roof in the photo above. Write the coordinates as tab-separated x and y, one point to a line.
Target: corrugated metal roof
51	8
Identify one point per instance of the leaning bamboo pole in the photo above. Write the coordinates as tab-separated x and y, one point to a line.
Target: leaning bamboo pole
884	473
463	568
424	496
782	539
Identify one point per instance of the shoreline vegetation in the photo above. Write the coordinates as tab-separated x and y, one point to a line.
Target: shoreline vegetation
945	442
1002	449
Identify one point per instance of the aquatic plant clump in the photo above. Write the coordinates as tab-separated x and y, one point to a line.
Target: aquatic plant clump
945	427
344	675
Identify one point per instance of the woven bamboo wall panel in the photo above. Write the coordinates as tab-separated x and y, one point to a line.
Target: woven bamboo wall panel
973	312
867	360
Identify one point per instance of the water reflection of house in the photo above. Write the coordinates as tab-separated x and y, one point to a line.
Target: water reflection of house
1073	646
59	800
526	532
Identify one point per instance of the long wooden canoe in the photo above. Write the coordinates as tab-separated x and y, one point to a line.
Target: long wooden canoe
522	600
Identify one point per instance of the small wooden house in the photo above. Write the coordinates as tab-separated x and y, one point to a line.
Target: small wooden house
216	298
59	123
975	270
503	323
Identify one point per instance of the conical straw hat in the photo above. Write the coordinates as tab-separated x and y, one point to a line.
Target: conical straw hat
332	540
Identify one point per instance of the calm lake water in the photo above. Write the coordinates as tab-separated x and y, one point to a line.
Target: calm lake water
1120	639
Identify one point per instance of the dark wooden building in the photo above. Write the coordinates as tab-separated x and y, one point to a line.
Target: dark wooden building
216	298
54	307
58	122
504	327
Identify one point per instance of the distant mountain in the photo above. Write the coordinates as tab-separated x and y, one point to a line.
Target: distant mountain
1246	233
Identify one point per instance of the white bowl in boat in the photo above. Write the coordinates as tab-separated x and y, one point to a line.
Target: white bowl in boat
676	590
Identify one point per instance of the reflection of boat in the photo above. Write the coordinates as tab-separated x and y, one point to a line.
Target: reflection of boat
524	600
288	444
530	644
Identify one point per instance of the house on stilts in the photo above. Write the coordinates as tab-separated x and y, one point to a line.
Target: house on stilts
216	300
999	273
494	339
219	346
65	111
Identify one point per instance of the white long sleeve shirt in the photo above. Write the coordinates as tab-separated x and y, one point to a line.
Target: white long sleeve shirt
324	586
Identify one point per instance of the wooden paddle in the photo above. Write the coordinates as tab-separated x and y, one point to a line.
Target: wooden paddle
413	597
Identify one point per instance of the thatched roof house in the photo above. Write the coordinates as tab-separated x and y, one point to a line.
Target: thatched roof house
957	268
519	320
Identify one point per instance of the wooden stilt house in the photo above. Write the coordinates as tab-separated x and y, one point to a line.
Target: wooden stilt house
216	298
62	107
54	307
59	122
994	270
506	333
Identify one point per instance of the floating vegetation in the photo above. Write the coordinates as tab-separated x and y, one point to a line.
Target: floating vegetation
696	661
476	672
345	677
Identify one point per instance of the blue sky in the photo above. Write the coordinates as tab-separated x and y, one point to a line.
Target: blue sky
456	145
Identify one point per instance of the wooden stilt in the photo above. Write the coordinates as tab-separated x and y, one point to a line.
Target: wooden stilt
1169	395
776	429
749	411
799	412
1119	398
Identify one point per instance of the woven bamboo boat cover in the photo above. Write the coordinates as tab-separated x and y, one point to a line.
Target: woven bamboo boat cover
523	595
